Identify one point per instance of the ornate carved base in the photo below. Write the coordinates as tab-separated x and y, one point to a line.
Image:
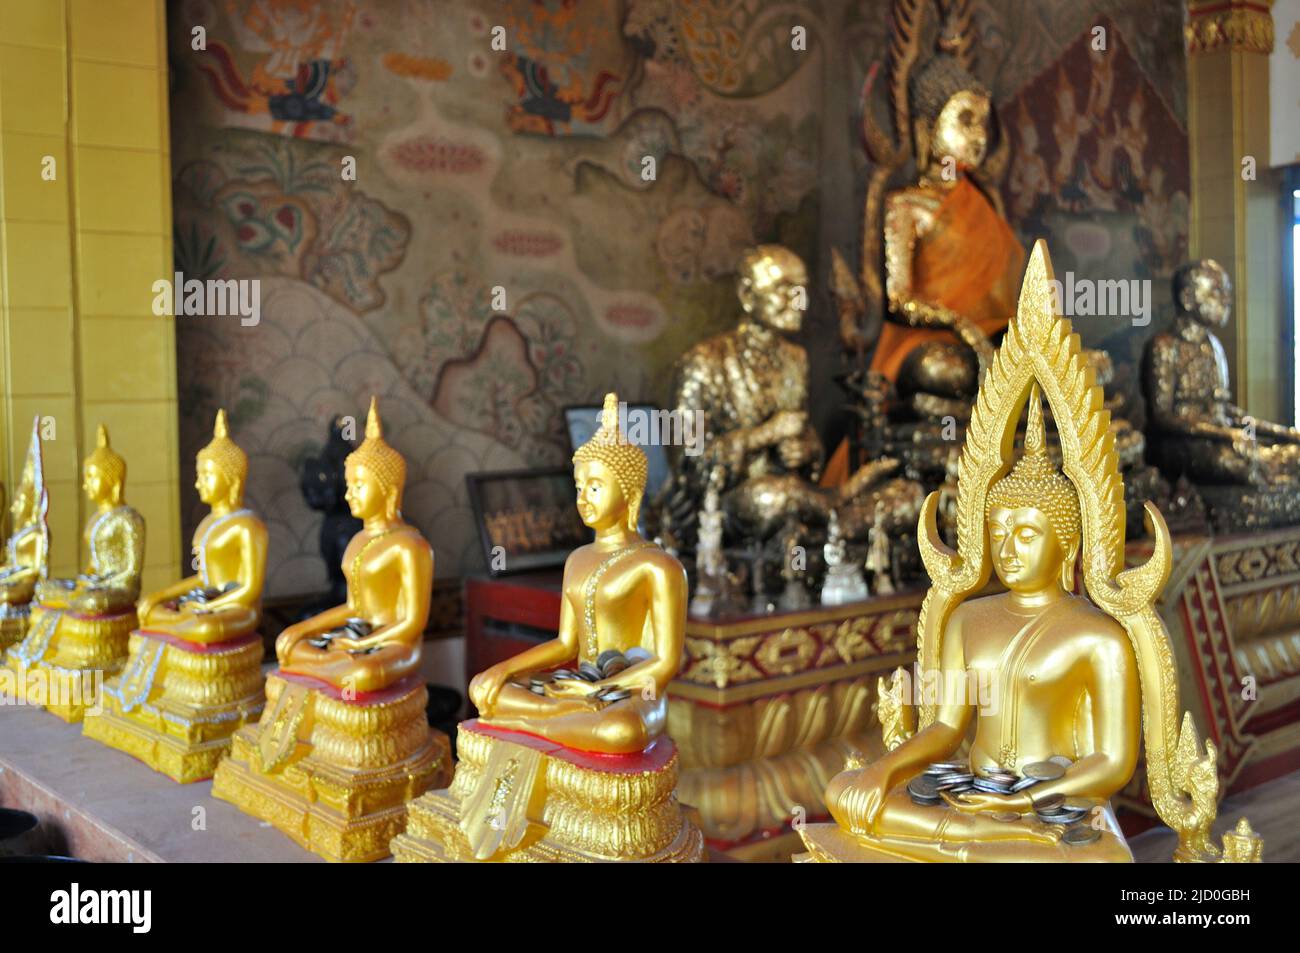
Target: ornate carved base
335	774
66	655
14	620
519	798
177	703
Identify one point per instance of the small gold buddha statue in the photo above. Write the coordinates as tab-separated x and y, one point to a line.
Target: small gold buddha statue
572	763
344	743
751	386
80	627
1062	689
193	676
1247	470
27	549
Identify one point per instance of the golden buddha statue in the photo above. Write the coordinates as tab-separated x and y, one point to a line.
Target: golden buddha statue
751	386
1247	470
573	764
1060	687
951	262
27	549
80	627
193	676
343	743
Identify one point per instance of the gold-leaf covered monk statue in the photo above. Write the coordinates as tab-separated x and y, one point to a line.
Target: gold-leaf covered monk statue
572	763
194	672
27	550
1060	687
1248	470
80	626
343	743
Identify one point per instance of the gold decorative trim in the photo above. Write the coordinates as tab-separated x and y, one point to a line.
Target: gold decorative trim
1239	26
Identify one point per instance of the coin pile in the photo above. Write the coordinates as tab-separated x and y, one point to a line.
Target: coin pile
608	664
956	777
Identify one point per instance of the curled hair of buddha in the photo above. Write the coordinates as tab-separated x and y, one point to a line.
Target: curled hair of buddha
386	464
626	461
107	460
1035	482
938	81
226	455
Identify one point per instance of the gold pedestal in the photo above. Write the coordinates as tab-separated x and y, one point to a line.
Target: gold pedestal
519	798
14	620
65	655
335	774
177	703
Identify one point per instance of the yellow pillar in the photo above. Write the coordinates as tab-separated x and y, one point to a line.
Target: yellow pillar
85	230
1234	218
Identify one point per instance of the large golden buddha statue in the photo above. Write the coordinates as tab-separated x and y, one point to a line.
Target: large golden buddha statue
343	743
1059	687
751	386
1247	470
80	627
572	763
27	549
193	676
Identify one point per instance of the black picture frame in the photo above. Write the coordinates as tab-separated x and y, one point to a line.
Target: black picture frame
499	496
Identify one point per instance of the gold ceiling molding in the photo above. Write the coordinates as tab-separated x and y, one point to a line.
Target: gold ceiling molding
1243	26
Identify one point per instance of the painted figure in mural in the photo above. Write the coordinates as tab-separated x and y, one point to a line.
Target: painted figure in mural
28	548
1196	430
751	385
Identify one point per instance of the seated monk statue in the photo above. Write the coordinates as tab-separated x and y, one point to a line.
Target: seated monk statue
27	550
1035	701
115	538
374	639
1195	429
223	601
623	597
751	385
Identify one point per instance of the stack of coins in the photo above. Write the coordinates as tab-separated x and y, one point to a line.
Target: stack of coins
610	663
956	777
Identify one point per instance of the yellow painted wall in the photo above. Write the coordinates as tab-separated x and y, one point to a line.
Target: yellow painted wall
85	82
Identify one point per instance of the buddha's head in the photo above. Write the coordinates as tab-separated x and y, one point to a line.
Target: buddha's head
222	467
773	287
104	472
1033	517
1203	290
610	475
950	114
375	474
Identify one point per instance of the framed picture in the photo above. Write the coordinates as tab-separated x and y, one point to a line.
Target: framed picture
527	519
584	420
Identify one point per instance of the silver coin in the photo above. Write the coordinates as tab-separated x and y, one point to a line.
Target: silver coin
923	787
990	787
1044	771
1047	802
614	695
1079	836
613	667
951	765
589	672
1023	784
564	675
1061	759
926	801
637	654
607	656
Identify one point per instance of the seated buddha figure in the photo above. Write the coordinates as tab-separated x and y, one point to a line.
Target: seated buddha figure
1196	431
1064	682
572	763
27	550
751	386
81	626
1034	701
193	675
343	742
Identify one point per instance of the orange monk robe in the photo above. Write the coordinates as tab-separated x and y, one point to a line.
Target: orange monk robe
970	263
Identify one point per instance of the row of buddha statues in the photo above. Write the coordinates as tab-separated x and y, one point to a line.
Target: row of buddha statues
569	758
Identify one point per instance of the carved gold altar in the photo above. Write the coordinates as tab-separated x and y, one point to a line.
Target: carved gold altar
27	550
343	742
194	675
1070	683
80	627
573	763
